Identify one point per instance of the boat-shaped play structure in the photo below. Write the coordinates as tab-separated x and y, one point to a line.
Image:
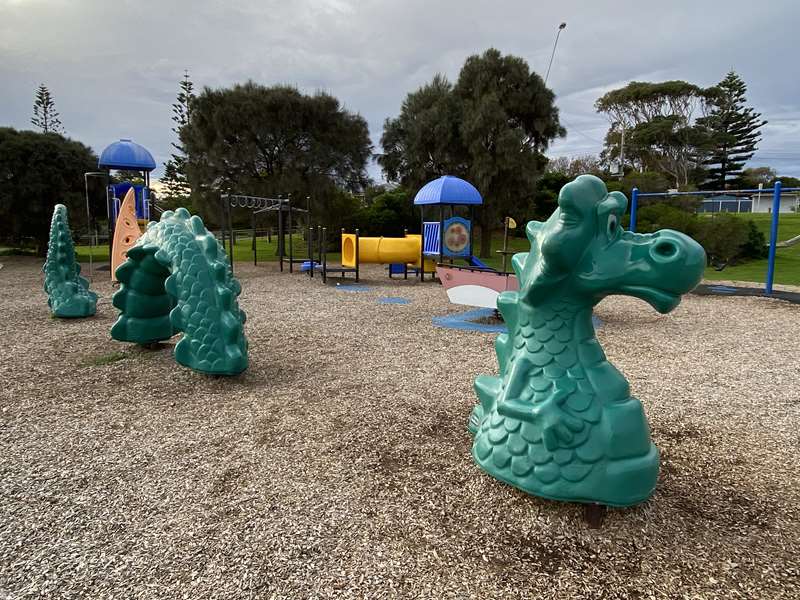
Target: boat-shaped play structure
474	286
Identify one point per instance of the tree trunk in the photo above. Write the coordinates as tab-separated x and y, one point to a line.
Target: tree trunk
723	169
486	234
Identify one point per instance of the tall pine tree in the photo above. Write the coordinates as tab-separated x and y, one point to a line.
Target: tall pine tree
45	116
733	132
176	188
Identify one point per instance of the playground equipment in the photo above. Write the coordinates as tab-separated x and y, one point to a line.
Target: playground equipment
775	210
475	286
321	264
178	278
789	243
452	237
404	251
68	293
559	422
124	155
449	238
126	232
479	286
284	209
399	253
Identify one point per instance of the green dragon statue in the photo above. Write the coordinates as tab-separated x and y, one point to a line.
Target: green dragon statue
177	278
68	293
559	422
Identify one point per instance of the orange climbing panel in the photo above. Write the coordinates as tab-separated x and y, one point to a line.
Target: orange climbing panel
126	232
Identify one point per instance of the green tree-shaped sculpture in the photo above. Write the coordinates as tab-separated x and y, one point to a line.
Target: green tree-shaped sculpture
559	422
68	293
177	278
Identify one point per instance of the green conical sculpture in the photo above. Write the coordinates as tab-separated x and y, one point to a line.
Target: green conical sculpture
68	293
177	278
559	422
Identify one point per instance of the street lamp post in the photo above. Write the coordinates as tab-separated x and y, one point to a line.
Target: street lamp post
621	125
553	53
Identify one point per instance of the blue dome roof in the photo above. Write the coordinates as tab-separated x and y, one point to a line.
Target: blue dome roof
448	190
126	154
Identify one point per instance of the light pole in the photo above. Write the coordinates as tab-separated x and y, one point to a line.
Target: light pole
553	53
621	125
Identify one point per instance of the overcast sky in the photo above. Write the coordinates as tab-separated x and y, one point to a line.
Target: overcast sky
113	66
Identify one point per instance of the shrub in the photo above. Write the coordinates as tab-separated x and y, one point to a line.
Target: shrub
389	214
725	238
37	170
722	236
756	244
653	217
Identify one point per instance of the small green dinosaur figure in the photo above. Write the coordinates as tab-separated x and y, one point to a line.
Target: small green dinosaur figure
177	278
559	422
68	293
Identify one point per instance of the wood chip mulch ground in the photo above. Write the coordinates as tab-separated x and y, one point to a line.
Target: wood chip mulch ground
338	465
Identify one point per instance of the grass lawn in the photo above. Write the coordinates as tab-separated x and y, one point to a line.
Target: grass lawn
242	250
787	262
98	253
6	251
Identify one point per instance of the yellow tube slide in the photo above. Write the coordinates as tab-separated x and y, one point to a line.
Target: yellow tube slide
383	250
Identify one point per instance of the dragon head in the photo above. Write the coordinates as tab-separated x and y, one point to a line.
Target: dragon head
581	252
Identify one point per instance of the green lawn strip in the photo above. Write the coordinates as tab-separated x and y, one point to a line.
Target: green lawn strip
6	251
787	263
787	260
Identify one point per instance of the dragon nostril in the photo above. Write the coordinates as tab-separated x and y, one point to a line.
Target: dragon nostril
666	249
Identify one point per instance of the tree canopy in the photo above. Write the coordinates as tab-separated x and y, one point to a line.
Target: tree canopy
767	177
490	128
696	136
573	166
640	102
656	120
424	141
38	171
265	141
758	175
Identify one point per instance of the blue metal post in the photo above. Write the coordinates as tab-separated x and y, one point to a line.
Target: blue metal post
634	206
773	237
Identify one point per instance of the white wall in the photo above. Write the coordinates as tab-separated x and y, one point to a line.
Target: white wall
789	203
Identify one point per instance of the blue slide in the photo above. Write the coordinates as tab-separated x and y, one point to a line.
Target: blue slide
474	261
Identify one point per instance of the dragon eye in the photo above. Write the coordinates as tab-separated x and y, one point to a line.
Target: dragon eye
612	224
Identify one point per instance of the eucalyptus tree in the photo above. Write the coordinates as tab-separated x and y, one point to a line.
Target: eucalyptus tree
655	124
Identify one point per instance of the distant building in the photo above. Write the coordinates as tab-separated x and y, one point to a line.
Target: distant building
763	202
757	203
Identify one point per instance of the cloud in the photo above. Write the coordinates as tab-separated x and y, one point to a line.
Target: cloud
113	67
